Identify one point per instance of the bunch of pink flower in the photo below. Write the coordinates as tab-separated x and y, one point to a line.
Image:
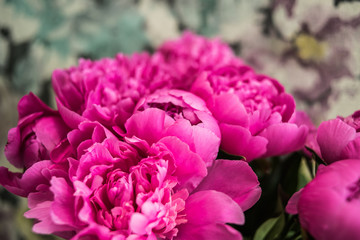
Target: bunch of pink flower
133	150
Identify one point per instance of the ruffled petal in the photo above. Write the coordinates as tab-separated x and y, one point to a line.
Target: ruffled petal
200	140
45	224
62	208
191	168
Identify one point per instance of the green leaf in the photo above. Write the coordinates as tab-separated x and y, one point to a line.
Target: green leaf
304	175
271	229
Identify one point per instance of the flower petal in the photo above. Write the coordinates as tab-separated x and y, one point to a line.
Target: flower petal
352	150
210	232
284	138
200	140
71	118
211	207
62	208
23	184
237	140
234	178
227	108
191	168
148	125
292	205
333	136
45	224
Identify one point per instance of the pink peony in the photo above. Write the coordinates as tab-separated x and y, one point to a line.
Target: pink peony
38	131
103	188
253	112
106	90
328	206
176	113
186	57
339	138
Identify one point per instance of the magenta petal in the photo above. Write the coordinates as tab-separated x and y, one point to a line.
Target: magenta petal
62	208
284	138
23	184
210	232
138	223
147	125
71	118
333	136
352	150
211	207
95	232
191	168
66	90
292	205
30	104
329	205
45	224
201	87
12	149
288	102
242	184
61	152
237	140
34	198
85	213
200	140
227	108
327	215
50	131
206	144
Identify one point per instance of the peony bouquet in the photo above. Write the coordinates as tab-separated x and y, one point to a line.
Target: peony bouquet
183	144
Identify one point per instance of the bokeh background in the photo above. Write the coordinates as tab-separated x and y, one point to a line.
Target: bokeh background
311	46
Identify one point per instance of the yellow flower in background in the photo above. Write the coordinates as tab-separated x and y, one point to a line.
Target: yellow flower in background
310	48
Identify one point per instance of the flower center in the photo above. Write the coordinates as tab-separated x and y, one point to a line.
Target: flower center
176	112
142	201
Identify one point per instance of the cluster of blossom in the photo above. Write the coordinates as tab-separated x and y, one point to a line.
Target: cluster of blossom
132	151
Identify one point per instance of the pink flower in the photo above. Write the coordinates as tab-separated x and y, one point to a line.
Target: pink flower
328	206
339	138
176	113
106	90
38	131
253	112
133	190
186	57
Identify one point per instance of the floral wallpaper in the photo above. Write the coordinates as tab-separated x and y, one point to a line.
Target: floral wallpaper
311	46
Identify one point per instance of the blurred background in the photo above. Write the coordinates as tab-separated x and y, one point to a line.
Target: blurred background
311	46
